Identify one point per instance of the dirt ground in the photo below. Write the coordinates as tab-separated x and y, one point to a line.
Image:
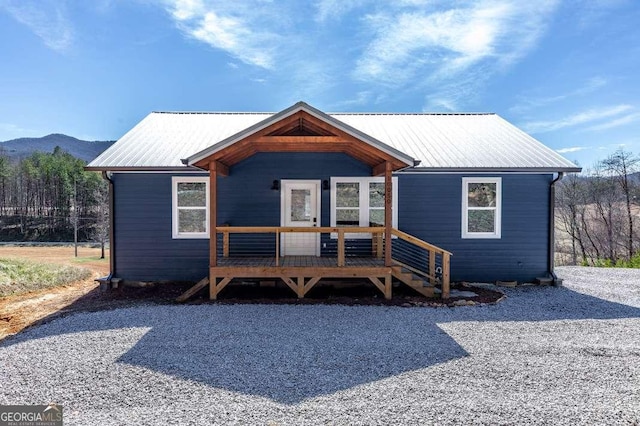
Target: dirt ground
20	311
24	310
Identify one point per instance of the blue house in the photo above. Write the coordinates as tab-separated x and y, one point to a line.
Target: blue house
302	196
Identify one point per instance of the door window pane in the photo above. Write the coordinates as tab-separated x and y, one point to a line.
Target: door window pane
376	217
300	205
348	217
347	194
376	194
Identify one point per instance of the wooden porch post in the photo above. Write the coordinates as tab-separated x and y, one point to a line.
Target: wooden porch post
388	214
213	210
213	235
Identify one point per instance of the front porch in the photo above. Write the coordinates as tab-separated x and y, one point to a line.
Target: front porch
323	172
254	252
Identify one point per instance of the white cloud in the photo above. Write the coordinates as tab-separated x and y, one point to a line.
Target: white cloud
584	117
237	28
439	45
46	18
620	121
361	98
571	149
334	9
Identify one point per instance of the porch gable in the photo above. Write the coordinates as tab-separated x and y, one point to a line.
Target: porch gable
300	128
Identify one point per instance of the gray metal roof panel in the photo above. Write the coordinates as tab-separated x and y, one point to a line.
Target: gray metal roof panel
440	141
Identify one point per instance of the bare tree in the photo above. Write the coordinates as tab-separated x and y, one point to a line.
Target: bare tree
570	208
620	165
604	195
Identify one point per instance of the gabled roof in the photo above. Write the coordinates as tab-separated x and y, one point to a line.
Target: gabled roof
442	142
323	121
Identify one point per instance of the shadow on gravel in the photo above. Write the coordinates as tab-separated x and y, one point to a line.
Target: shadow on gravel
289	353
292	353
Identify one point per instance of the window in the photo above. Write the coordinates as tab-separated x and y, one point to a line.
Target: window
359	201
481	207
190	207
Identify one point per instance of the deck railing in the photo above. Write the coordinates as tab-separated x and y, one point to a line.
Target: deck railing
338	242
341	243
422	258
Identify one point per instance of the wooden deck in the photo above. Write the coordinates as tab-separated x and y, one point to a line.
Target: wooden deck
300	273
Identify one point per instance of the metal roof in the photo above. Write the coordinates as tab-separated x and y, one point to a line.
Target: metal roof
442	142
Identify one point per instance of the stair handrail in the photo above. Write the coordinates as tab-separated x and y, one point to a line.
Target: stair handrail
433	251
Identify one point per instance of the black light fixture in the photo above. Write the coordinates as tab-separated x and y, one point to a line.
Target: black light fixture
325	184
275	186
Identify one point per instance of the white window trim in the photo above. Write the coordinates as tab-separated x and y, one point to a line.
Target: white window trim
175	180
465	208
364	201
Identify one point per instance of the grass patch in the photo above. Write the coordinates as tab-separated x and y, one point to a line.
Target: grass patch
20	276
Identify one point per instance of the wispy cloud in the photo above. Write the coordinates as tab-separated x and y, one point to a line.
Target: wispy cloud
620	121
585	117
437	46
571	149
334	9
234	27
361	98
46	18
528	103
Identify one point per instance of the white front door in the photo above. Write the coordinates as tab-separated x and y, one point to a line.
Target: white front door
301	208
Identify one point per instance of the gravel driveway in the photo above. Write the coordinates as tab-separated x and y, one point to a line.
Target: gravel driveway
566	355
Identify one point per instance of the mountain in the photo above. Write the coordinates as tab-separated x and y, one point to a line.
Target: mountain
85	150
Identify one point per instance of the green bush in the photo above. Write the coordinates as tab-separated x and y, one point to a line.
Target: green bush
634	262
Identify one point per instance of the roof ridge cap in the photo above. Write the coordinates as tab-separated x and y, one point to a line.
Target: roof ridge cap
328	113
213	112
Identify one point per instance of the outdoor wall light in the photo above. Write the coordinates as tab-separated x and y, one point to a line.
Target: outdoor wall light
325	184
275	185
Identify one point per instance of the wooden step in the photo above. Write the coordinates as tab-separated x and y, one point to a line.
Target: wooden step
413	281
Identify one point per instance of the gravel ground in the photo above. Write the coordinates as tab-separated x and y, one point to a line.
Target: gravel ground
544	355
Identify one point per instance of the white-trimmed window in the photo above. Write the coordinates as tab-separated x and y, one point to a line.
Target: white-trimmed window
481	207
359	202
190	206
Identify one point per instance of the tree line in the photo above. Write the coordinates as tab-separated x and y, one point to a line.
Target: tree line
598	213
47	196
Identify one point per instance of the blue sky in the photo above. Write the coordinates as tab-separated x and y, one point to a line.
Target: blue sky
566	72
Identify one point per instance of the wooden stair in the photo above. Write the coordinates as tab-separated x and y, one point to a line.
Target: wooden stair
414	281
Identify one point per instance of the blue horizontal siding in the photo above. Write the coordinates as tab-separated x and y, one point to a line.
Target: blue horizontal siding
144	247
429	207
